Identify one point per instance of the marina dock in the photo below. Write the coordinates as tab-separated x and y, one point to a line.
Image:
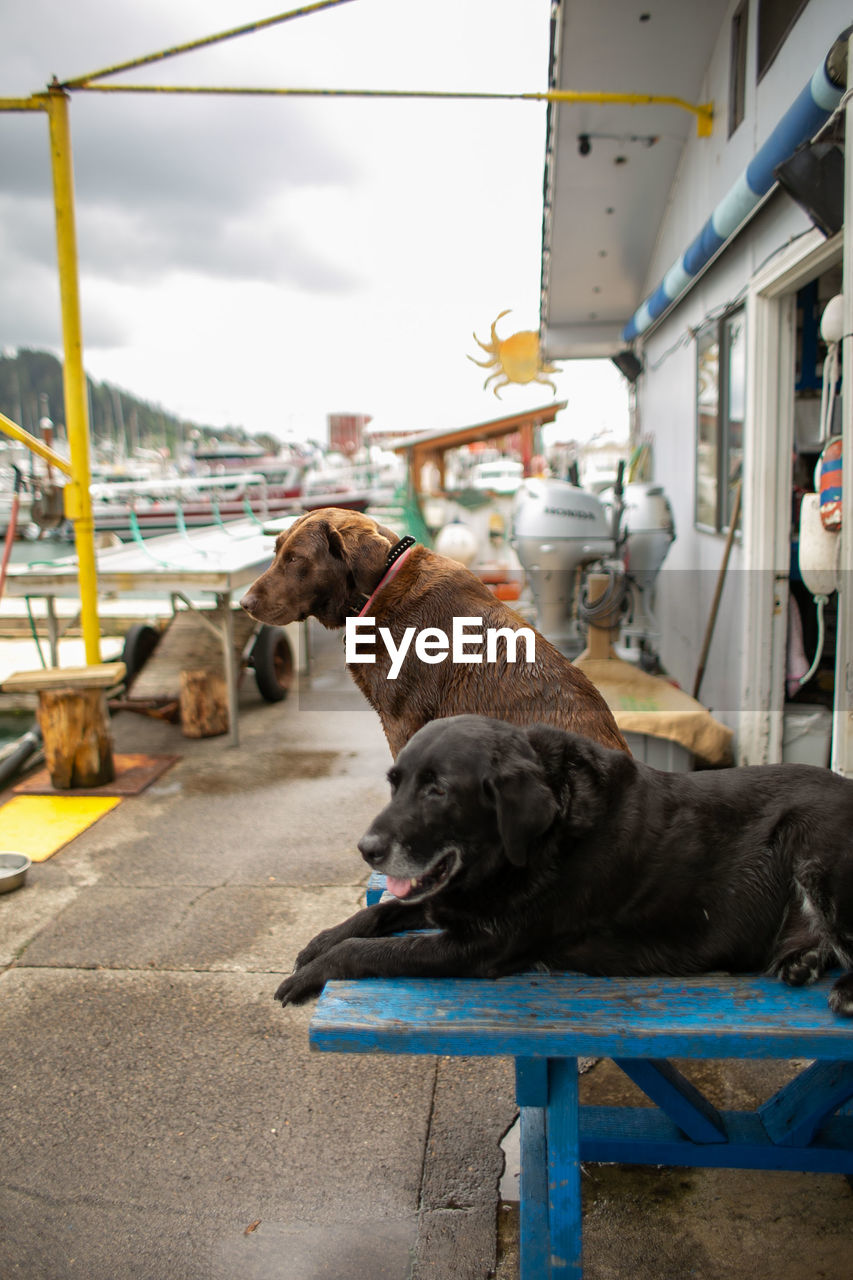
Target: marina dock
164	1117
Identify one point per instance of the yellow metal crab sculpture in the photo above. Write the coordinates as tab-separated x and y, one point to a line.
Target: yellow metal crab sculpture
514	359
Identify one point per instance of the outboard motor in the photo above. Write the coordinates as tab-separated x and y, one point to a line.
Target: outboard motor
647	533
557	530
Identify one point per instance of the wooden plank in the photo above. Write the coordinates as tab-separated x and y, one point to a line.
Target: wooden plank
188	644
644	1135
101	675
569	1015
674	1094
531	1082
534	1243
564	1167
376	885
794	1114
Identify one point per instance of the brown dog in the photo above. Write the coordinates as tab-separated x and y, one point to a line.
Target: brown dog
329	564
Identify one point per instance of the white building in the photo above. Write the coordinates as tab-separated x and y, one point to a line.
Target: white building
670	244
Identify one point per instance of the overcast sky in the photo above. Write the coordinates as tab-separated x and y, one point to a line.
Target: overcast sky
266	261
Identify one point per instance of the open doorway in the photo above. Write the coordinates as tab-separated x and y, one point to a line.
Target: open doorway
784	360
812	603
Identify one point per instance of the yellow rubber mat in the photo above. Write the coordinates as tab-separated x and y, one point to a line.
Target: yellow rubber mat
40	825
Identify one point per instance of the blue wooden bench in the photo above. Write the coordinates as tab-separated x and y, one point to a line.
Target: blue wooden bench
547	1022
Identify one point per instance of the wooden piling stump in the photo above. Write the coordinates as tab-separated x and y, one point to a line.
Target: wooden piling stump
78	746
74	721
204	704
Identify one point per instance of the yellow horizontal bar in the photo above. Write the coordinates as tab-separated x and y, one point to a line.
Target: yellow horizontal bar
81	82
704	111
261	91
10	428
38	102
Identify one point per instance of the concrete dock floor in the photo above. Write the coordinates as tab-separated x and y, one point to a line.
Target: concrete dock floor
163	1117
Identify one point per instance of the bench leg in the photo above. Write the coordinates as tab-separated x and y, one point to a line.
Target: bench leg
550	1209
564	1182
535	1247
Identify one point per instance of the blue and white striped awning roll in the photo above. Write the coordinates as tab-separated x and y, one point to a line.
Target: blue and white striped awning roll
806	115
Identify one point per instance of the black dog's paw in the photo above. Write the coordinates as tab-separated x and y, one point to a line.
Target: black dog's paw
802	969
841	996
300	986
318	946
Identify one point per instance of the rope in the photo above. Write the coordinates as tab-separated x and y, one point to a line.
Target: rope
136	534
34	631
820	602
82	82
181	525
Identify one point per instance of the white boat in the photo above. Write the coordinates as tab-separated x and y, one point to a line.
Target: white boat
133	508
227	482
500	475
354	484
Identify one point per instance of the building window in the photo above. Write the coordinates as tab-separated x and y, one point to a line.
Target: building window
720	403
775	20
737	66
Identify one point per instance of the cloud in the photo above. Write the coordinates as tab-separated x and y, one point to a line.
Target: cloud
269	260
201	185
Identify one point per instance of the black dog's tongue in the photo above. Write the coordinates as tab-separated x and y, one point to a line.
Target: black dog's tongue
399	888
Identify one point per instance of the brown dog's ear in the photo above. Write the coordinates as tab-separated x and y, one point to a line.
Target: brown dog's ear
364	551
525	806
336	543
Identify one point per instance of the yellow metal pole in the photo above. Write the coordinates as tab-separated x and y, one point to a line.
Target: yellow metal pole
703	111
78	504
10	428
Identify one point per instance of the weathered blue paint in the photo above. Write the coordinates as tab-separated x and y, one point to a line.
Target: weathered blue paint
375	889
547	1022
534	1236
531	1082
644	1135
564	1168
675	1095
569	1015
794	1115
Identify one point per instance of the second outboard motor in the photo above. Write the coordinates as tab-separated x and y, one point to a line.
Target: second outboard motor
557	529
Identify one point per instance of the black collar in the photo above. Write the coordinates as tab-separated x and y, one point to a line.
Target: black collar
398	549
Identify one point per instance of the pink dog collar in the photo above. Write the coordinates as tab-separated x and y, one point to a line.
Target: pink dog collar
397	557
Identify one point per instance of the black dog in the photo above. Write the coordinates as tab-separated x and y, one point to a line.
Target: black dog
536	847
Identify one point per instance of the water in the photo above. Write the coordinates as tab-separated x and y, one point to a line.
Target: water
25	551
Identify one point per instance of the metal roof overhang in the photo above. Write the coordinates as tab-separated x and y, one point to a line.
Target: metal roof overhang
603	209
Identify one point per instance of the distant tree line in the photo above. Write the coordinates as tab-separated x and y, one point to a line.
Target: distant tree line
31	389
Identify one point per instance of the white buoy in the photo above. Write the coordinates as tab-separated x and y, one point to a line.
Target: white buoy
457	542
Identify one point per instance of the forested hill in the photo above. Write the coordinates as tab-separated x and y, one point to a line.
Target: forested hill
31	389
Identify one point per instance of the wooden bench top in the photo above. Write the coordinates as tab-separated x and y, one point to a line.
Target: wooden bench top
102	675
569	1015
